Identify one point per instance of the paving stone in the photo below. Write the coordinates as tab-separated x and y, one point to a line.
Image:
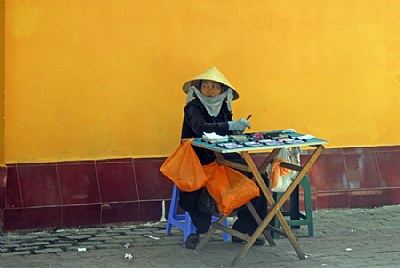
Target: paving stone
88	243
159	232
98	229
42	243
119	236
16	237
48	239
120	241
18	253
97	238
127	232
10	245
141	232
144	244
112	231
27	248
63	245
48	250
78	237
101	235
108	246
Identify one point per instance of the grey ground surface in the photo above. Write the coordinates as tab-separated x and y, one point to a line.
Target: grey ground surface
343	238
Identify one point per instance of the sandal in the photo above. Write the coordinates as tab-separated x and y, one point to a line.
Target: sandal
192	241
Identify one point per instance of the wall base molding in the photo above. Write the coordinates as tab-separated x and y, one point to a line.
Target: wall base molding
87	193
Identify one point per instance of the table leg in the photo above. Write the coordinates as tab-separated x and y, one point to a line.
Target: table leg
268	160
300	175
275	211
267	235
213	229
276	206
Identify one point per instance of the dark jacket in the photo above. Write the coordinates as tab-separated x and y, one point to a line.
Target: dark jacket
197	120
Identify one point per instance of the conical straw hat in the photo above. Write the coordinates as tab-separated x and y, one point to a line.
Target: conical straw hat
212	74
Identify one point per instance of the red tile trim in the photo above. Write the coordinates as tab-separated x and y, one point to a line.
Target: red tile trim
3	187
337	179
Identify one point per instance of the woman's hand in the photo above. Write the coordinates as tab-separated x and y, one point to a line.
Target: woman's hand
240	124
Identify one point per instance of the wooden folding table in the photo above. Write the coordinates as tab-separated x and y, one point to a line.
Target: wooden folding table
315	147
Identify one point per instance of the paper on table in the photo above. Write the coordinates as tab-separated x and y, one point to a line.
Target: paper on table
306	137
214	137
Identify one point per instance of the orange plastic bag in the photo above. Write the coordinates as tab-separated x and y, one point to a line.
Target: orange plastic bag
229	188
279	181
183	167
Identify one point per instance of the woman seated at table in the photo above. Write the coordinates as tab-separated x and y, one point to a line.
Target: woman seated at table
209	109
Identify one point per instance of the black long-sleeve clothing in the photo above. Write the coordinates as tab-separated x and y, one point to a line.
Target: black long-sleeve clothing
196	121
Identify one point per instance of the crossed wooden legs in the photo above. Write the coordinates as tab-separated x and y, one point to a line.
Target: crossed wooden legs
275	211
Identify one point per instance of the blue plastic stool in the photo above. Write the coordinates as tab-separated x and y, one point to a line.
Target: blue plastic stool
297	218
183	221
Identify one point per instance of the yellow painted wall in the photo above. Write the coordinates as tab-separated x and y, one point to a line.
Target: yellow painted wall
2	64
102	79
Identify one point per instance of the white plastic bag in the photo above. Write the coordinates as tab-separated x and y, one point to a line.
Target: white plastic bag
288	155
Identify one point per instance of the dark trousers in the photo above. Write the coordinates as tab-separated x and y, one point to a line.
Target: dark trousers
202	220
188	201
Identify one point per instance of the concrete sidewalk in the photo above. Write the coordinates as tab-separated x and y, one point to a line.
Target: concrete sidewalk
343	238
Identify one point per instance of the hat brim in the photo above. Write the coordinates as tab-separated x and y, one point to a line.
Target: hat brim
212	74
188	84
